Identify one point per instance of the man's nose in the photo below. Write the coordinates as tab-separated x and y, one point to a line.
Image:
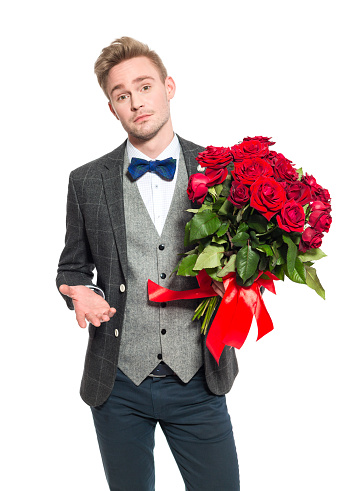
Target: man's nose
136	102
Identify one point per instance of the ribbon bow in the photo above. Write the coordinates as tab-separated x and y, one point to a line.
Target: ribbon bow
239	305
164	168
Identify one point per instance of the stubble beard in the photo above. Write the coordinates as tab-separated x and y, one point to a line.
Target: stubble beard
147	134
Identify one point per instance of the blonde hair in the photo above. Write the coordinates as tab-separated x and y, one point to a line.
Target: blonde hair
122	49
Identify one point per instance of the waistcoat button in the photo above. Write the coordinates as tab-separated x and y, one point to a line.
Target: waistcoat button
163	331
163	304
161	247
163	275
116	333
159	356
122	288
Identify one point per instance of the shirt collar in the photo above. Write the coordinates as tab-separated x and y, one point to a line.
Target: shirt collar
172	151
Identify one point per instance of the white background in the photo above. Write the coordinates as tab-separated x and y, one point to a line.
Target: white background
272	68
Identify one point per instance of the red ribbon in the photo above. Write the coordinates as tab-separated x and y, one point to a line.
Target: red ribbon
233	320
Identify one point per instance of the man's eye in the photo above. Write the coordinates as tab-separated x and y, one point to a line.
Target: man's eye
146	87
121	98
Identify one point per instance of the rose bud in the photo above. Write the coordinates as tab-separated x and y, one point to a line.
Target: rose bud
311	239
239	195
215	157
267	196
216	175
299	192
197	187
292	217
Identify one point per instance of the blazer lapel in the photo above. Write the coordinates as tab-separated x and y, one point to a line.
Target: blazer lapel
112	178
190	152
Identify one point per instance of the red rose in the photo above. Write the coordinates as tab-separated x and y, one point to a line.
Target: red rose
320	206
197	187
299	192
311	239
215	157
318	193
284	171
292	217
312	183
274	158
248	149
249	170
267	196
322	194
320	220
263	139
216	175
239	195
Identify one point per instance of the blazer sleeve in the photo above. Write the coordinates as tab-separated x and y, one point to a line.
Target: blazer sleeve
76	264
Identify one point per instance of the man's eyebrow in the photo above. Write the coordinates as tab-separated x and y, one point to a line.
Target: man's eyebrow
135	81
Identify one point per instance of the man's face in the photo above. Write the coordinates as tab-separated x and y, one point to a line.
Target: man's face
139	99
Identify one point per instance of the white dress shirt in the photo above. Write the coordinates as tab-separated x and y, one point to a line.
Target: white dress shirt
157	193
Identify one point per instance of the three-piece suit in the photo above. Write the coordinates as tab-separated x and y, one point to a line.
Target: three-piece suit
108	228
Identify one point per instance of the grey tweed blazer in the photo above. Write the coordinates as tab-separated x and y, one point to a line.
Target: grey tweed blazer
96	238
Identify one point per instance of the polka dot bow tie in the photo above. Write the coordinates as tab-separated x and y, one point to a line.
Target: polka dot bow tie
164	168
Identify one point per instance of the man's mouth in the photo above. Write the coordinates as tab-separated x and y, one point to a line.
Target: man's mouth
141	118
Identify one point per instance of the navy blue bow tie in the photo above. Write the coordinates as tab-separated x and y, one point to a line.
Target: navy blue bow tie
164	168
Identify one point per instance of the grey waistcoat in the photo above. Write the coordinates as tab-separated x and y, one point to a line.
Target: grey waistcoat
150	329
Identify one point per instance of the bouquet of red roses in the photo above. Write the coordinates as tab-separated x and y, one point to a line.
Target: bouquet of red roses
260	219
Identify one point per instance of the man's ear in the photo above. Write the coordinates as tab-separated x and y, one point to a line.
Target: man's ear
170	87
112	110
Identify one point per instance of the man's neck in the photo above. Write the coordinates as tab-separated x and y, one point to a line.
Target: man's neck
154	147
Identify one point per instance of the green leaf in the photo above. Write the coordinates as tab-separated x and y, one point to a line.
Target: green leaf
203	224
219	240
243	227
299	273
241	213
278	271
300	173
187	234
213	273
313	282
186	266
258	223
265	248
240	239
229	267
291	254
226	209
222	229
210	257
246	262
311	255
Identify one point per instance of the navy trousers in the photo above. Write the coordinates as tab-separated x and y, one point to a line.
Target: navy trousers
196	425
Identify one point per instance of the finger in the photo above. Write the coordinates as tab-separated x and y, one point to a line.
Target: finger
65	290
105	318
93	319
110	312
81	319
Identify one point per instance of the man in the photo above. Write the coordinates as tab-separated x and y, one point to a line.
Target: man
145	362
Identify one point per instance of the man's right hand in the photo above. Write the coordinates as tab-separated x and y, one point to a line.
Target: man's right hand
88	305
